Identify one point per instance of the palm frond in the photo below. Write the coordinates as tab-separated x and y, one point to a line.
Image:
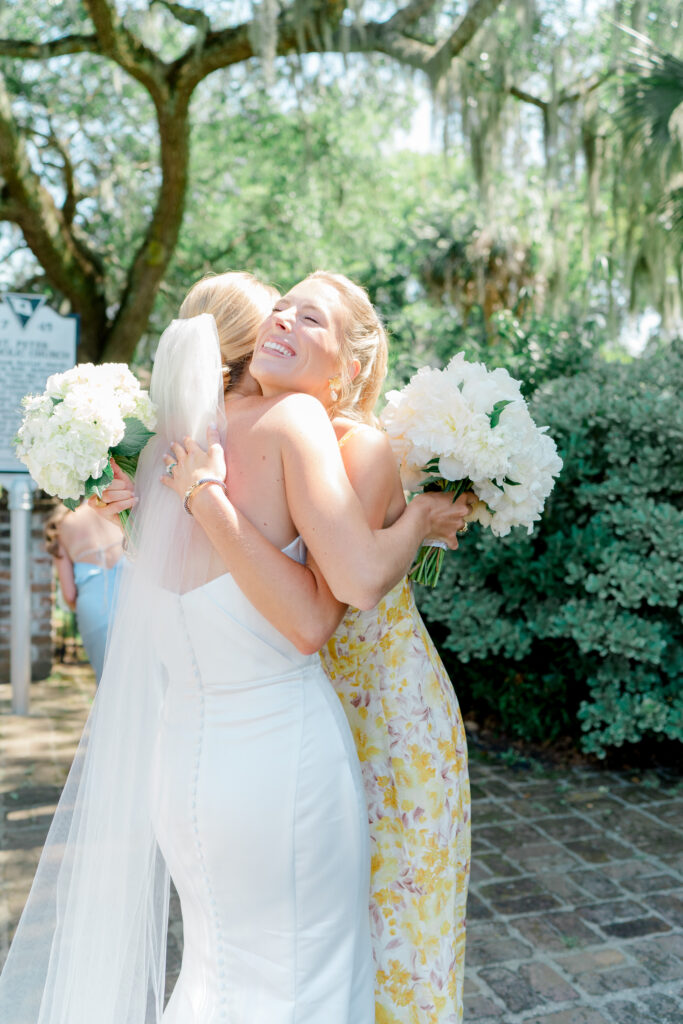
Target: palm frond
653	90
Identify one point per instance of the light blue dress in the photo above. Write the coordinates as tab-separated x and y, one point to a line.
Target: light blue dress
96	588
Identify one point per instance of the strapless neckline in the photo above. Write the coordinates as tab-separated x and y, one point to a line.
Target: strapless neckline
296	550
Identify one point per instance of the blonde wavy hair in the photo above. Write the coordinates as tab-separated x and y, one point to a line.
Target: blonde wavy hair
239	303
362	337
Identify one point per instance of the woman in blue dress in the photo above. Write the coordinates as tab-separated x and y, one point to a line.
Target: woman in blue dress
86	550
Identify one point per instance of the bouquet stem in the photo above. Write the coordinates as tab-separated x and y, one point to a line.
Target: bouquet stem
429	561
427	565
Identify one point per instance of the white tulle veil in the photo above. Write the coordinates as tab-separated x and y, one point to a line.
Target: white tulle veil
90	947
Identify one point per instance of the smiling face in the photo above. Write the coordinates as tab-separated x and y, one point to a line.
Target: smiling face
297	346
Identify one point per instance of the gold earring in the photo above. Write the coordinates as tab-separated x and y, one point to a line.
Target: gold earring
335	385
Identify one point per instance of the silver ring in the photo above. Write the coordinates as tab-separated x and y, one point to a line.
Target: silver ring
169	469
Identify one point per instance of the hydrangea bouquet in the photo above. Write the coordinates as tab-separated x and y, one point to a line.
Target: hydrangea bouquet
466	428
85	417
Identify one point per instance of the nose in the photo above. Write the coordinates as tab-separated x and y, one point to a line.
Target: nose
285	317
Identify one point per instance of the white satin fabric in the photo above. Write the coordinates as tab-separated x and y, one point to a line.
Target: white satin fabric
261	818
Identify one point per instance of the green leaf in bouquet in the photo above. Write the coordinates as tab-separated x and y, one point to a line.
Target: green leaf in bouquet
495	414
434	483
58	401
134	439
96	486
511	483
93	485
127	463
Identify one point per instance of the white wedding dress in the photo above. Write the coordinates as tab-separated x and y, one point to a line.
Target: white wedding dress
261	818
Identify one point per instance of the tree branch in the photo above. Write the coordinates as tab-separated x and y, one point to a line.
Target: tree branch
148	267
570	94
526	97
66	167
409	15
585	87
25	49
43	225
187	15
9	211
120	45
470	22
233	45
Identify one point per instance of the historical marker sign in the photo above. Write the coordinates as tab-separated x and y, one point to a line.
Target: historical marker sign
34	343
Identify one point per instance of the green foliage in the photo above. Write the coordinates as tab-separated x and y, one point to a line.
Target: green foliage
579	623
282	189
535	349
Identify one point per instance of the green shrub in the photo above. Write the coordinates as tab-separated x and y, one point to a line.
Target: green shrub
580	623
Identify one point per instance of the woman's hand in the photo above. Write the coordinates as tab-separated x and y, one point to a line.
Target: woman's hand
117	497
447	518
190	463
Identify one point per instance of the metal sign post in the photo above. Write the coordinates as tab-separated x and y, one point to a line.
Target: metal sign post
35	342
20	504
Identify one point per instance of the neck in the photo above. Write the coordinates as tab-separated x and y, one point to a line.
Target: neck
271	390
246	387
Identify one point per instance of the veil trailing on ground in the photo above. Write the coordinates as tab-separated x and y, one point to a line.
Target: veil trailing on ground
91	944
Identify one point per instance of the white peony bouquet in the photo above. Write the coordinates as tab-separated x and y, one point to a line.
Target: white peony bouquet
84	417
466	428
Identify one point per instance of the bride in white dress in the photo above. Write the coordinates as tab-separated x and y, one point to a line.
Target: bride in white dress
260	816
215	750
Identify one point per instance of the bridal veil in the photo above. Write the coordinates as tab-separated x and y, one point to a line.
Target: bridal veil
90	947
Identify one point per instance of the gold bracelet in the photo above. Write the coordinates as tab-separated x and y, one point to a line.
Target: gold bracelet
201	483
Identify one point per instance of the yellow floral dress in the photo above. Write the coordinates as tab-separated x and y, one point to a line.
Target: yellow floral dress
411	743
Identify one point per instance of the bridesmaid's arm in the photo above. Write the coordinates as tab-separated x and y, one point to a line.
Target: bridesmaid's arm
360	564
65	572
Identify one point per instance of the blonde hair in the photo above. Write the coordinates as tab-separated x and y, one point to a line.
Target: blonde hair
364	338
51	529
239	303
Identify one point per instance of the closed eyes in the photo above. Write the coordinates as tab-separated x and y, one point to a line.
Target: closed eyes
313	318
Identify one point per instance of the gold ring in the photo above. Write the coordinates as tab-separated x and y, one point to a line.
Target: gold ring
464	529
98	503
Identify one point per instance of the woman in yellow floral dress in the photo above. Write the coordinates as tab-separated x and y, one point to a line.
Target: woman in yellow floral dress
411	743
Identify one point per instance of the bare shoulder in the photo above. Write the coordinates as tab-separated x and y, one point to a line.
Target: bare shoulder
296	415
363	444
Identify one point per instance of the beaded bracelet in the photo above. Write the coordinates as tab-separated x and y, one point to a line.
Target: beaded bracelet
196	485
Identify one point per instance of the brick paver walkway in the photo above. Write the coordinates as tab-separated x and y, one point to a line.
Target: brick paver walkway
576	906
575	913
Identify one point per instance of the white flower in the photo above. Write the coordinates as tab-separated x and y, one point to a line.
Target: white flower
477	426
67	433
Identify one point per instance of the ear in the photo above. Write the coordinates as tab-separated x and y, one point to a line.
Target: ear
354	369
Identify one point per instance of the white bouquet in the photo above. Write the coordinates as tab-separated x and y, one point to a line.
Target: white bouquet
466	428
85	417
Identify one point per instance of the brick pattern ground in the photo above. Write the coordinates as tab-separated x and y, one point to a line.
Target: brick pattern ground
576	906
575	913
